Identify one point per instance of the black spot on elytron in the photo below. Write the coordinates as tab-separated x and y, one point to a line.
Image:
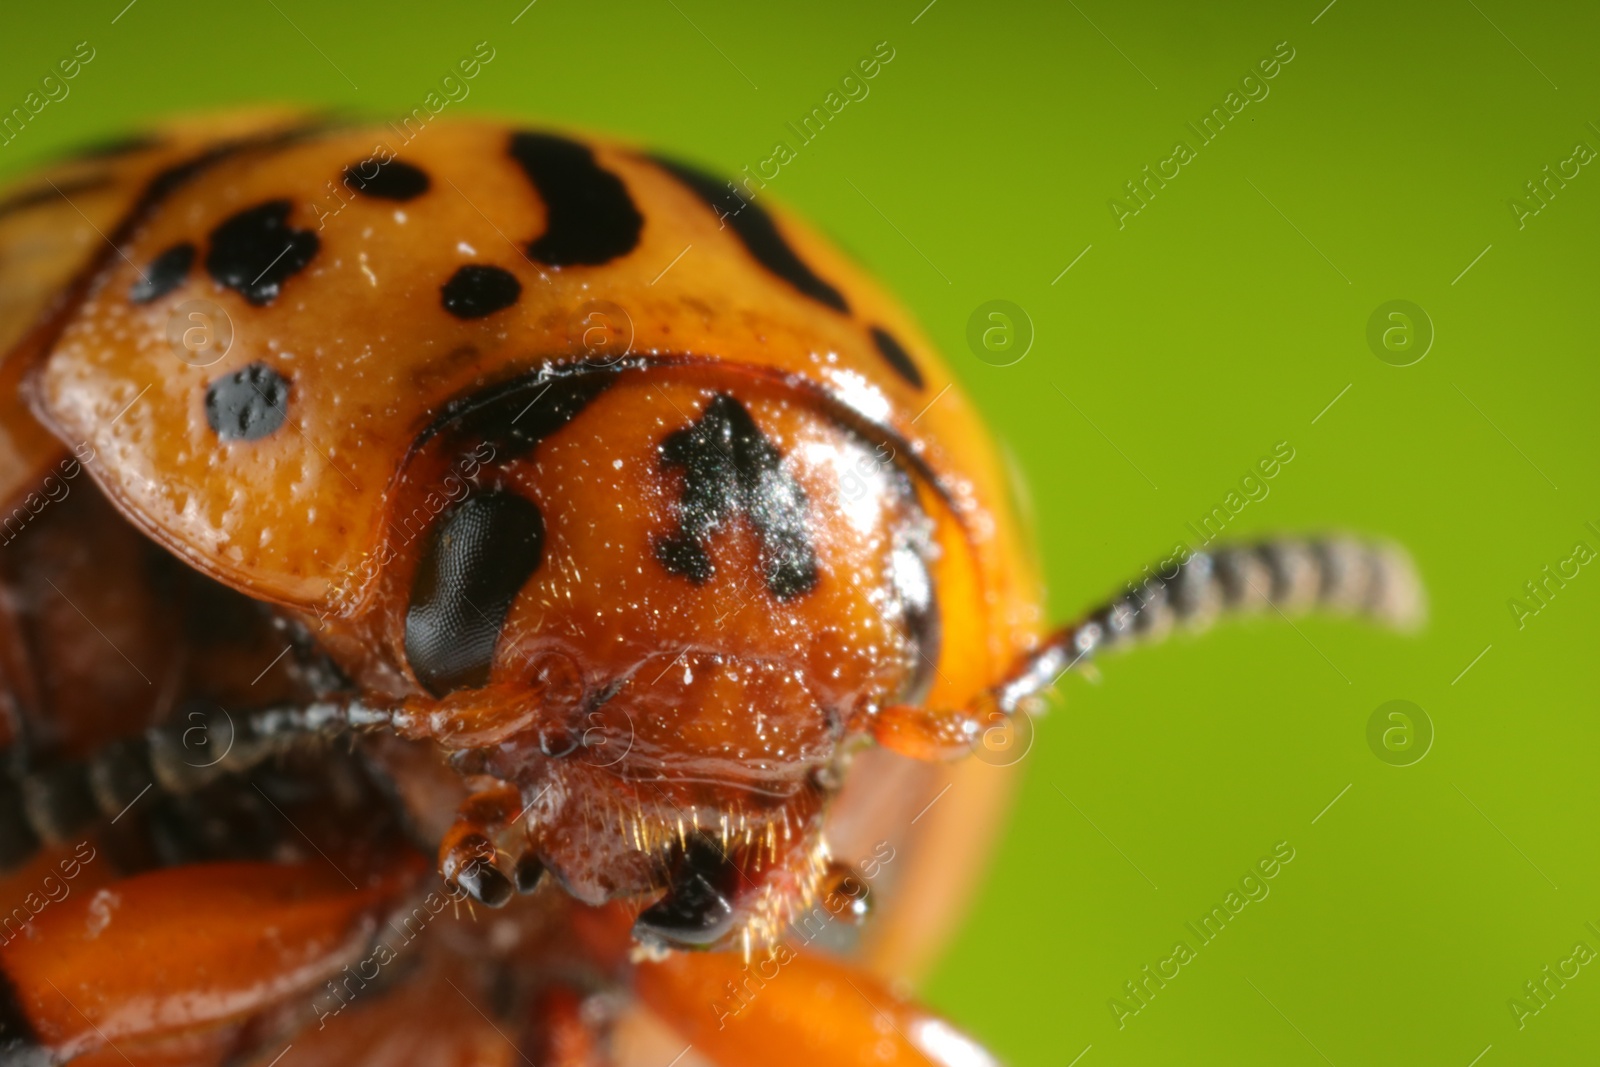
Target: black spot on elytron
513	417
758	232
589	216
730	467
477	290
19	1044
248	403
257	250
478	556
897	356
393	180
164	274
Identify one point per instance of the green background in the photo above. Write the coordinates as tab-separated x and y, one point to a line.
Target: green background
1221	320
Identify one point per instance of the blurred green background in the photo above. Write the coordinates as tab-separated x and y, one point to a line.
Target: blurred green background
1221	319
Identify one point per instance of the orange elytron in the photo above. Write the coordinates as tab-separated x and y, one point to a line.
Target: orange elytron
499	520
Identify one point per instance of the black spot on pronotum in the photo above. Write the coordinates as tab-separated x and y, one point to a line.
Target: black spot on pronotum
163	274
729	468
477	290
393	180
256	251
477	557
759	233
897	357
589	217
19	1044
248	403
514	416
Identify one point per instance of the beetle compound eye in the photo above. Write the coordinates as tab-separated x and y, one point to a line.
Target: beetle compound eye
478	556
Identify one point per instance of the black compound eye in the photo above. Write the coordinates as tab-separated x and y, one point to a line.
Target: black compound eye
248	403
478	556
477	290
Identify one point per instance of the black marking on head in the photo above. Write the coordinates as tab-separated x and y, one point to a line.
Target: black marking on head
165	273
897	356
478	556
477	290
248	403
257	250
19	1044
393	180
589	217
758	232
730	467
513	417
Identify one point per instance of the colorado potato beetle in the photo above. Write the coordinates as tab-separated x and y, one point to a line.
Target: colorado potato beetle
494	519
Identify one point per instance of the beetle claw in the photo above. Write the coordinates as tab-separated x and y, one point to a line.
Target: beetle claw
484	883
697	910
529	873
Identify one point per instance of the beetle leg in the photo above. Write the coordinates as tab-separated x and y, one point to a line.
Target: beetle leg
181	950
467	854
795	1009
445	1013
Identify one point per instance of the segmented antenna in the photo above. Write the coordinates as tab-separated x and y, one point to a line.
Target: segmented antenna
1283	576
50	805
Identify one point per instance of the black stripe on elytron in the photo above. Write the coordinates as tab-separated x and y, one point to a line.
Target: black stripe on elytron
19	1045
477	558
45	194
114	148
589	217
758	232
897	357
167	181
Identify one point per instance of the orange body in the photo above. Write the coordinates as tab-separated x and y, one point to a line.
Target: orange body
636	508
